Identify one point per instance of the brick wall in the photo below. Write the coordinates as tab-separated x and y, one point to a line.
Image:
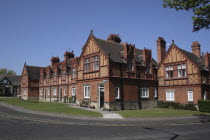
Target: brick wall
181	93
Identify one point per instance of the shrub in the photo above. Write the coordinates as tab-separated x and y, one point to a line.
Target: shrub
204	105
2	94
65	99
70	100
176	105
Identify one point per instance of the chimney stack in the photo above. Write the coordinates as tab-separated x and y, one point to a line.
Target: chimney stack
114	38
161	48
207	60
54	60
68	55
196	48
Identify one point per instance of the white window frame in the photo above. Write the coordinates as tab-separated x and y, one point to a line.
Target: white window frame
155	92
48	92
74	73
117	92
95	62
144	92
24	92
87	64
170	96
205	95
169	70
54	92
40	92
73	91
190	97
87	95
181	70
64	91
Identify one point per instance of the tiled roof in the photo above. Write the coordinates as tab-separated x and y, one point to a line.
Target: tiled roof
14	79
33	72
200	61
115	51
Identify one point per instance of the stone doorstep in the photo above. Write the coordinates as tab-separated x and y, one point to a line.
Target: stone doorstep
112	116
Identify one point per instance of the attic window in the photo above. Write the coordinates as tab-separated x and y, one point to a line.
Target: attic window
130	65
74	73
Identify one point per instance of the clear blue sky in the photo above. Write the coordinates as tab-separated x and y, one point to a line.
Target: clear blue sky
33	31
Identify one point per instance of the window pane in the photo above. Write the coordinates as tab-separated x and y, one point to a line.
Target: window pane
179	67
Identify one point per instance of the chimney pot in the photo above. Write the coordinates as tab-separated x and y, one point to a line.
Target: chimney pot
114	38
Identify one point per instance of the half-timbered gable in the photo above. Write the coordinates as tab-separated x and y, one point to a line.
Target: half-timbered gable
181	74
107	68
10	85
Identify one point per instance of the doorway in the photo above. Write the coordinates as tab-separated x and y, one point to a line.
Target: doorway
60	94
101	97
45	94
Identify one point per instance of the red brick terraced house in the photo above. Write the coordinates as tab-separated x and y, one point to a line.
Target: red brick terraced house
30	82
183	76
59	79
108	74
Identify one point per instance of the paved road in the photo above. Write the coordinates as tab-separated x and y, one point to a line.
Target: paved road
23	126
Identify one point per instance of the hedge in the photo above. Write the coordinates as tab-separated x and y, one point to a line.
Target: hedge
204	105
176	105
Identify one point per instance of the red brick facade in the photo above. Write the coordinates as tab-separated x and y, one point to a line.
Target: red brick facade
29	83
108	74
182	76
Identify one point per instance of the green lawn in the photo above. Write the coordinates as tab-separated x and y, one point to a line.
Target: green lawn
158	112
51	107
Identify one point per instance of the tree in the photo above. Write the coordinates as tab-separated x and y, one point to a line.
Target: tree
7	72
200	8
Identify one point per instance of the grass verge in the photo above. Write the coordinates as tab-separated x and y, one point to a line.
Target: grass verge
158	112
51	107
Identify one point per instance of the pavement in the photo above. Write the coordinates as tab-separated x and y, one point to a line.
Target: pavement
106	114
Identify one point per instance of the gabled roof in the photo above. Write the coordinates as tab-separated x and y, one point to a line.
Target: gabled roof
199	61
14	79
115	49
33	72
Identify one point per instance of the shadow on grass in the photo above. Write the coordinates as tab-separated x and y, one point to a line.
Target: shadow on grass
204	118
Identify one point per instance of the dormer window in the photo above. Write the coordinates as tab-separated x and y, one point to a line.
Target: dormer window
169	71
87	64
182	70
95	63
130	65
74	73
